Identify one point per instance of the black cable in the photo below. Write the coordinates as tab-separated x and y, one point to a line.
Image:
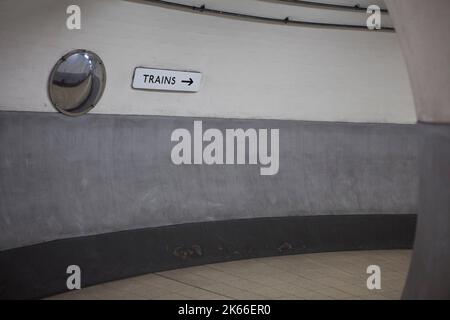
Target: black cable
284	21
332	6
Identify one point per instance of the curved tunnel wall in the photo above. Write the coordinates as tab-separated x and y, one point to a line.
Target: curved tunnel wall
65	177
250	70
423	29
101	191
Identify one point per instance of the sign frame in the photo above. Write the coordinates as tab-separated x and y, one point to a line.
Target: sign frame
166	80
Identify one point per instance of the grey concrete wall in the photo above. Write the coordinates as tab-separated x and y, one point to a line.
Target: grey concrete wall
423	28
429	274
63	177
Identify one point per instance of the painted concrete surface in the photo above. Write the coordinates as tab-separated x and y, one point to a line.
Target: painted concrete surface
65	177
430	277
251	70
281	10
423	28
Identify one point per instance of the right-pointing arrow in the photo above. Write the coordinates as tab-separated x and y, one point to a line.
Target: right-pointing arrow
190	81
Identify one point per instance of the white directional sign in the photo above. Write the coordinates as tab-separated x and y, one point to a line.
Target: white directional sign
167	80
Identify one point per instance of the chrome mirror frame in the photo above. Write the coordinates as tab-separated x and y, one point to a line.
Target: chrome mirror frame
77	82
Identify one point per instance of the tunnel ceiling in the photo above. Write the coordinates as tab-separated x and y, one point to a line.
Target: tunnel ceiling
351	3
315	11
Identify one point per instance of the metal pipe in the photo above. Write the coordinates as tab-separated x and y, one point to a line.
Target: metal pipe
323	5
242	16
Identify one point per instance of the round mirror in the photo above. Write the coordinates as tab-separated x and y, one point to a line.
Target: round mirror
77	82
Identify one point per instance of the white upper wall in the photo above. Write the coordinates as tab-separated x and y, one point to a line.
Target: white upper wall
250	70
280	10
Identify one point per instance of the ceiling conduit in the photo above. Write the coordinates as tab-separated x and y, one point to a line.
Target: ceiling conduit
324	5
202	9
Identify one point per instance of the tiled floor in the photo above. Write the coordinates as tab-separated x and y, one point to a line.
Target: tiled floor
337	275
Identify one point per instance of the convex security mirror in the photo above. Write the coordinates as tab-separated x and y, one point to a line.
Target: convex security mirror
77	82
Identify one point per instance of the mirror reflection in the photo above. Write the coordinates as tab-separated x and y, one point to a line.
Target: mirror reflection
77	82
